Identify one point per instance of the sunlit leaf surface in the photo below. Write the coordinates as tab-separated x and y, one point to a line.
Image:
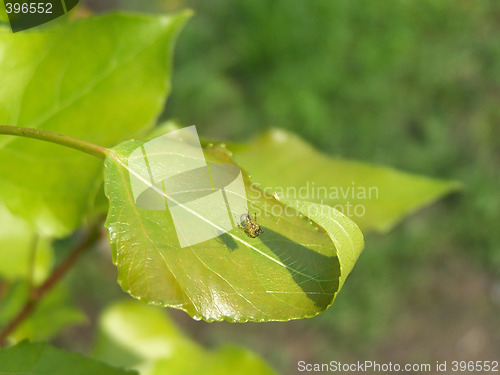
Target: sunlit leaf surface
289	271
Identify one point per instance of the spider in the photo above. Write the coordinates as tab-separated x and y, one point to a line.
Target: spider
249	226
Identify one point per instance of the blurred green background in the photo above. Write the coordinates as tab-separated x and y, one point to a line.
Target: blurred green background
409	84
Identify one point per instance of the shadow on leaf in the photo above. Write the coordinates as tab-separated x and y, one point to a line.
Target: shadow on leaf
316	274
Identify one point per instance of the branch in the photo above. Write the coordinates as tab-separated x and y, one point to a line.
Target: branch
57	138
37	293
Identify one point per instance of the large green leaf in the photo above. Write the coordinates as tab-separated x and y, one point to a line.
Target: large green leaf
43	359
290	271
135	335
102	79
376	198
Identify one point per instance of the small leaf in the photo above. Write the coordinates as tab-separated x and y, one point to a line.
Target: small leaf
374	197
102	79
17	240
290	271
140	336
53	314
43	359
144	332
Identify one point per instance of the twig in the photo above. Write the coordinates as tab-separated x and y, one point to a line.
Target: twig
38	292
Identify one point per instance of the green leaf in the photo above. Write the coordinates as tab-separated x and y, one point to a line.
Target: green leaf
290	271
135	335
43	359
374	197
53	314
17	240
103	80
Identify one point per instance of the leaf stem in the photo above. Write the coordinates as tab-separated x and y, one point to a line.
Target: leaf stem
57	138
38	292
